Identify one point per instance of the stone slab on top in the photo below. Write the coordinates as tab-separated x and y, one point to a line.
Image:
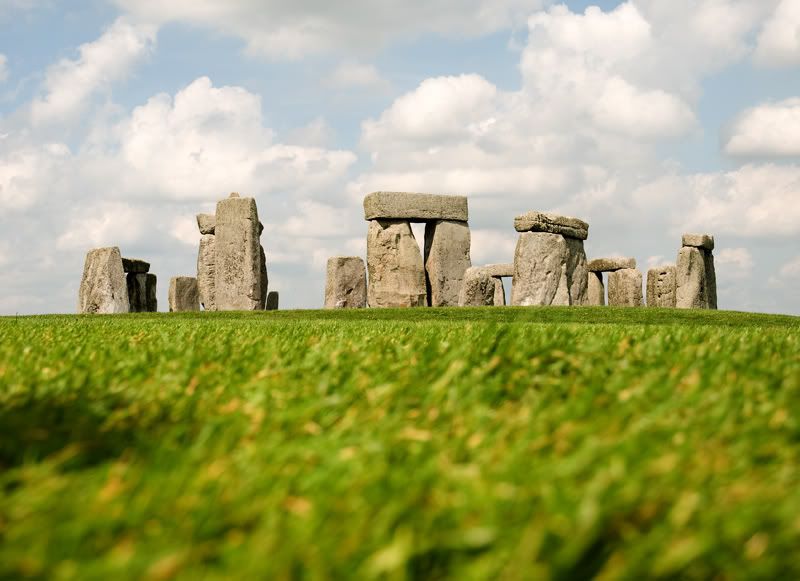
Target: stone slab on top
704	241
499	270
553	224
415	207
611	264
135	266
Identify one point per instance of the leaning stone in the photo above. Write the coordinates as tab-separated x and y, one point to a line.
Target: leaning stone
183	294
625	288
597	290
237	276
690	279
103	287
264	278
553	224
540	270
447	244
272	301
135	266
394	263
207	223
704	241
206	260
346	283
478	290
611	264
414	207
661	286
499	291
500	270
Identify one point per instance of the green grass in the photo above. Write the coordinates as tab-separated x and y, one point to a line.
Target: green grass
433	443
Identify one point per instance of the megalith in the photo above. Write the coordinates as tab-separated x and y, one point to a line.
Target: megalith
104	288
447	257
237	264
479	288
394	263
625	288
141	286
206	271
550	266
272	301
263	276
596	290
661	285
183	294
596	268
346	283
695	277
499	292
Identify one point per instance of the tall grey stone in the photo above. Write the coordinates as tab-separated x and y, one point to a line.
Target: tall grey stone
272	301
237	276
447	245
499	292
625	288
263	276
346	283
183	294
577	273
142	296
394	263
478	290
540	270
103	287
206	259
691	279
414	207
711	278
661	286
596	292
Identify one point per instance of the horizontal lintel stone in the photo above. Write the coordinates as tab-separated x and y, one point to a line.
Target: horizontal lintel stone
415	207
135	266
499	270
704	241
611	264
552	224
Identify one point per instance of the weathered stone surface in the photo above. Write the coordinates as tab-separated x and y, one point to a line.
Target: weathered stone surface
135	266
414	207
272	301
183	294
692	279
237	276
553	224
625	288
103	286
711	279
540	270
577	273
500	270
478	290
206	260
661	286
499	291
346	283
264	277
704	241
394	263
447	244
207	223
596	295
610	264
142	296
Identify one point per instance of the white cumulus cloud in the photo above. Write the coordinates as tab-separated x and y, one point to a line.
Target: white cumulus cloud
734	263
770	130
779	40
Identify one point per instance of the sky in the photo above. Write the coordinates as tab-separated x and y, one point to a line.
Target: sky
122	119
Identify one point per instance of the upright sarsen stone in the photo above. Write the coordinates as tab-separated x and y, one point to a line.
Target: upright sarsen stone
103	287
661	285
263	276
142	293
183	294
577	272
206	272
625	288
447	245
691	280
499	292
540	270
346	283
272	301
479	289
394	262
237	277
596	291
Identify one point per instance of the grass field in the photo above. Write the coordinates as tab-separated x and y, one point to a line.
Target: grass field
434	443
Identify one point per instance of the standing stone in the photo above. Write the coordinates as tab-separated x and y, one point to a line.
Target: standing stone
478	290
346	283
394	262
711	279
577	273
272	301
237	276
597	290
103	286
661	286
447	244
540	270
206	272
625	288
151	294
137	292
183	294
499	293
264	278
691	279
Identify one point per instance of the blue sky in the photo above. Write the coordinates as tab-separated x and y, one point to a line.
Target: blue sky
121	119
